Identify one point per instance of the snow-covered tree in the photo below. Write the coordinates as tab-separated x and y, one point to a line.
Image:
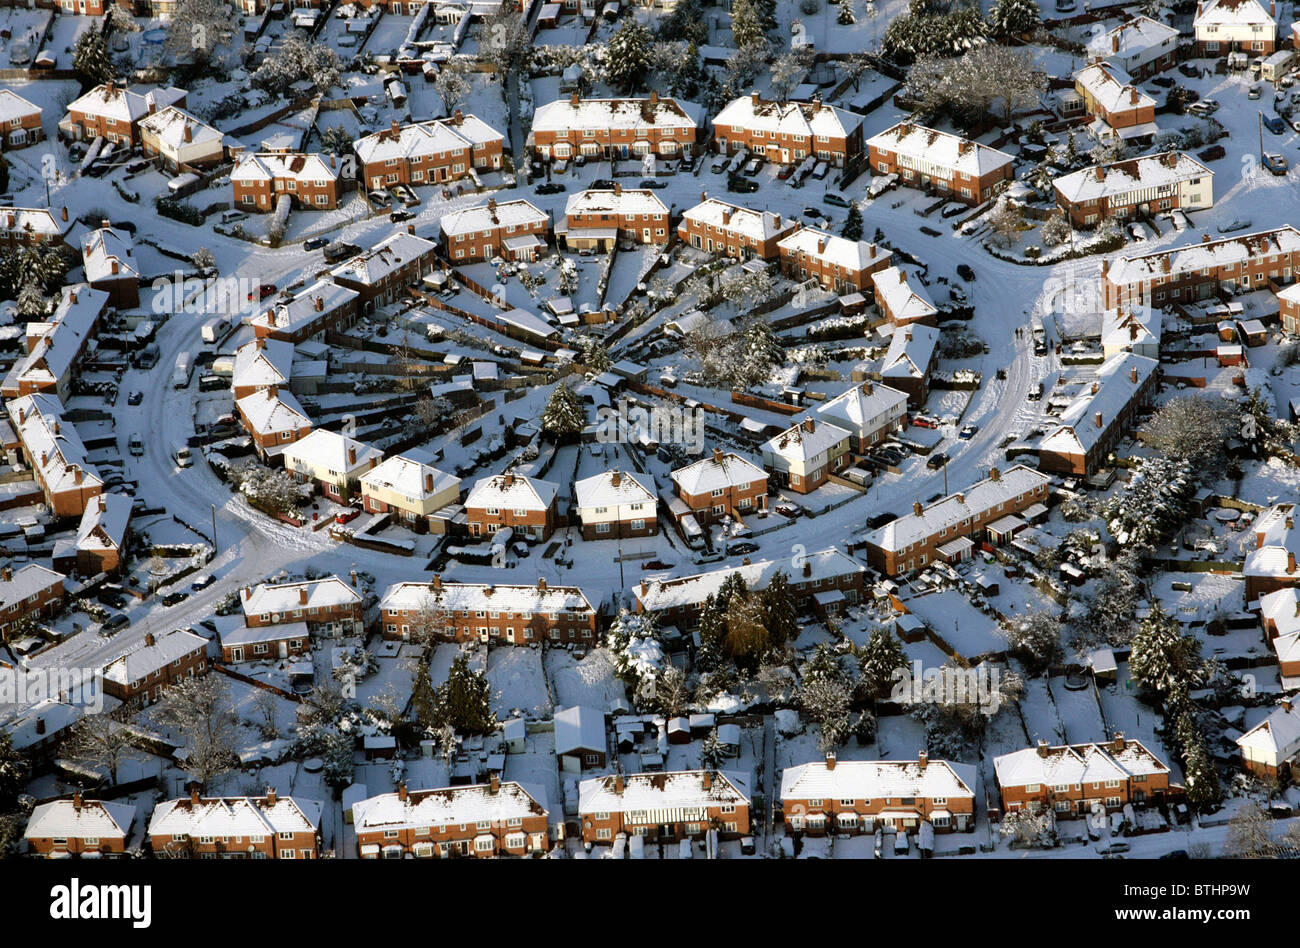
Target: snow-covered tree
878	663
431	411
13	772
452	85
853	223
196	28
845	16
203	259
465	700
1036	641
1162	656
826	703
1056	230
295	60
200	711
1264	434
91	60
1194	429
335	140
748	30
1153	505
564	414
1028	828
100	741
270	488
594	355
780	617
1250	833
1199	776
627	56
424	697
507	42
685	22
1006	225
788	70
1014	17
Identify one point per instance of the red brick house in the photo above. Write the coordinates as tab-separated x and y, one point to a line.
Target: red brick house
78	827
266	827
1119	108
1288	308
1101	416
484	821
140	677
664	807
1074	779
1226	26
310	180
788	132
56	454
527	505
114	113
1135	187
381	275
27	226
328	606
1271	565
912	355
103	536
718	227
32	590
488	612
597	220
836	263
325	305
429	152
806	455
861	796
870	412
616	504
512	230
615	128
722	485
940	163
274	419
900	300
20	122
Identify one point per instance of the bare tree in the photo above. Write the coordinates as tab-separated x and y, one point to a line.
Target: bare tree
452	85
100	741
432	622
1250	834
199	709
266	705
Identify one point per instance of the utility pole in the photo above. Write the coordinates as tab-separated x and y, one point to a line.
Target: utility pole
215	549
1261	135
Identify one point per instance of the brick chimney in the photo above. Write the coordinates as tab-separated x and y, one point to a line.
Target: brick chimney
1101	173
830	760
615	479
187	133
320	303
352	578
868	388
922	758
1114	43
654	97
428	483
458	118
113	266
917	508
706	780
1042	749
194	796
76	797
1119	741
1133	95
1095	387
1133	373
40	726
961	498
248	593
435	583
352	455
394	128
149	640
272	798
753	99
717	455
1290	561
7	574
726	215
574	99
807	569
401	790
1097	418
541	584
508	481
64	213
494	783
618	784
302	595
995	474
809	425
103	504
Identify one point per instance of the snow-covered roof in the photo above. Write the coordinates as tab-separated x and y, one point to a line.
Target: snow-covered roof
298	166
104	521
1278	735
331	592
32	724
426	138
78	819
805	440
658	594
27	581
312	305
940	148
663	791
325	450
906	302
1277	543
40	221
579	729
1131	38
485	217
512	491
1112	88
614	489
1117	383
113	101
1209	254
1077	763
956	508
483	597
13	106
53	444
448	806
414	479
864	403
152	654
384	258
759	225
910	349
254	634
621	201
564	115
851	255
1165	170
272	410
104	247
175	128
806	119
1232	13
235	816
873	780
61	340
718	471
1136	326
262	363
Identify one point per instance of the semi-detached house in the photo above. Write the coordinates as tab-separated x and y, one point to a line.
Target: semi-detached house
936	161
664	807
408	489
616	504
265	827
527	505
1118	107
1100	416
719	227
512	230
616	128
805	455
1135	187
327	606
310	181
20	121
1076	779
788	132
332	461
139	677
429	152
1141	46
599	219
836	263
869	411
1228	26
721	485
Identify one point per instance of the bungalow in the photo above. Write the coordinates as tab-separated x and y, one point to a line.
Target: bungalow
664	806
861	796
484	820
334	462
805	455
616	504
580	740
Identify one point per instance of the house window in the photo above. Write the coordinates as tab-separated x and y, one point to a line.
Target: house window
604	834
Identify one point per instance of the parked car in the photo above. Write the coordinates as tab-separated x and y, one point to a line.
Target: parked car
135	444
115	600
135	398
263	291
1274	124
172	599
1163	81
1213	153
740	549
551	187
381	198
1233	225
656	565
315	243
654	184
925	421
836	199
876	521
1253	93
347	516
742	185
1275	163
965	272
201	584
114	623
784	173
603	184
968	432
754	165
937	461
401	215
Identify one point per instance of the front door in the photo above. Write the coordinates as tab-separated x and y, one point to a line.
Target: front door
237	653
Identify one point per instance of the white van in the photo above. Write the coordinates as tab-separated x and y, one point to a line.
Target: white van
135	444
181	455
229	217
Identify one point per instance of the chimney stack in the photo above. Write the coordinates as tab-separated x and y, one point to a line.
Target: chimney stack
248	593
494	783
302	595
76	798
1101	173
272	798
541	584
717	455
706	780
574	99
615	478
809	425
1042	749
7	574
917	508
436	582
830	760
64	213
40	725
401	790
1290	561
994	474
149	640
1097	418
1133	374
352	577
922	759
428	483
807	569
194	796
352	455
1133	95
618	784
1119	741
753	99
